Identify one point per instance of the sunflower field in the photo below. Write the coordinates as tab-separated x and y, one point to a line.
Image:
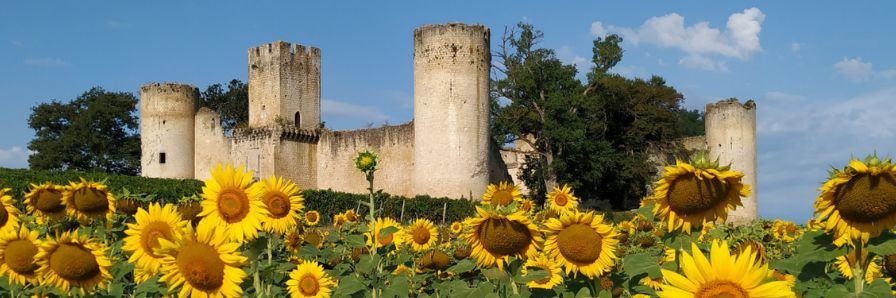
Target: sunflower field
244	238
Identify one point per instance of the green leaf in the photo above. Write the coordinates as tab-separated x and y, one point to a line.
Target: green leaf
463	266
604	294
883	245
678	241
495	274
584	293
640	263
838	291
349	285
355	241
398	287
533	274
367	264
388	231
879	288
647	211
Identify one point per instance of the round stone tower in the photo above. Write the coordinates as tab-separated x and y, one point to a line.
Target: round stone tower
451	109
731	136
166	129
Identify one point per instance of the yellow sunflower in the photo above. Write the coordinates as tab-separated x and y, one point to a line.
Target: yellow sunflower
73	260
17	260
721	275
350	215
581	242
384	240
421	235
704	230
45	202
230	203
626	226
457	227
526	205
786	231
653	283
502	194
562	199
555	276
293	241
312	218
89	200
846	264
203	263
690	195
284	202
859	202
9	214
310	280
143	238
495	237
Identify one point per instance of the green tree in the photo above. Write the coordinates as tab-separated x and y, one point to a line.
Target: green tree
96	131
232	104
594	135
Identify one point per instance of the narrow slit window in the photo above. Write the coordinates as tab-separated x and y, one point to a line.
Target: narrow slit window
162	157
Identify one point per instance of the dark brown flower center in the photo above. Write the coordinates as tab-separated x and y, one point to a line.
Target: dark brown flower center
201	266
278	204
48	201
19	256
502	197
91	201
308	285
421	235
504	237
233	205
560	199
579	243
149	238
866	198
74	263
311	217
689	195
435	260
721	289
890	265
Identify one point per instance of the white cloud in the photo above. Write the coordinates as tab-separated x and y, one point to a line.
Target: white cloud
888	74
567	55
15	157
17	43
45	62
783	97
339	109
854	69
597	29
795	47
699	41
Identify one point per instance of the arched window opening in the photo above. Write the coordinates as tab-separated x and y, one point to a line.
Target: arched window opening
298	119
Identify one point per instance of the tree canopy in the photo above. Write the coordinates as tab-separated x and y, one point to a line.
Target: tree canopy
596	134
96	131
232	104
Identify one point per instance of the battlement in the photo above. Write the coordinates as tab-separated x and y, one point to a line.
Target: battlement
283	132
284	53
284	83
168	99
452	44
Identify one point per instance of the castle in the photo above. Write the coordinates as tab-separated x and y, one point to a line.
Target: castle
444	151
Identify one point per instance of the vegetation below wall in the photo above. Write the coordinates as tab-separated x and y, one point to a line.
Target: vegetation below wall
327	202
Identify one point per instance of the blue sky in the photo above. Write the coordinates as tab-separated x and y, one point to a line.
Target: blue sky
822	73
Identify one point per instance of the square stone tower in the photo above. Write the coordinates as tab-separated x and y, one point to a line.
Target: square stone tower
284	85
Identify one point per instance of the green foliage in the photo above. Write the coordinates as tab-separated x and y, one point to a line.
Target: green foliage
232	104
166	190
97	131
593	135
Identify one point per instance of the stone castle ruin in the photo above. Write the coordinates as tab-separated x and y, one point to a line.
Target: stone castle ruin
444	151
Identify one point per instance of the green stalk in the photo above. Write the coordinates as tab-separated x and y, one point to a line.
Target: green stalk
859	272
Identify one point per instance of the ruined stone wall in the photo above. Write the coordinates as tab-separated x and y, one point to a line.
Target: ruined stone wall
731	135
254	149
284	79
394	145
166	129
451	109
212	147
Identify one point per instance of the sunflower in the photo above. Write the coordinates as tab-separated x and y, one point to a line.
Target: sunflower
143	238
626	226
542	262
203	263
284	202
338	220
502	194
421	235
310	280
89	200
17	257
312	218
495	237
562	199
384	240
581	242
721	275
456	227
846	264
753	246
704	230
45	201
777	275
230	203
653	283
689	195
315	238
9	214
785	231
293	241
350	215
526	205
73	260
859	202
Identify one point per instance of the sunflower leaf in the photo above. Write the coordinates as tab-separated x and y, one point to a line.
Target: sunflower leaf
462	266
879	288
349	285
385	232
882	245
838	291
640	263
647	211
355	241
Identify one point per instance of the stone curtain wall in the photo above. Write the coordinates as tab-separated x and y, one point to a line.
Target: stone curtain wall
166	126
212	147
336	151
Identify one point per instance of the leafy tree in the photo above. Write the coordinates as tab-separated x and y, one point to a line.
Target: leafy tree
594	135
232	104
96	131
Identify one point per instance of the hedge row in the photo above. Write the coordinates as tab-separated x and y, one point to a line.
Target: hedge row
327	202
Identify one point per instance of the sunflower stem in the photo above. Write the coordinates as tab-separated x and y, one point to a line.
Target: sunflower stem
859	276
270	244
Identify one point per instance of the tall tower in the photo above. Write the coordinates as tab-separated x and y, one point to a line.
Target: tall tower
284	84
451	109
166	129
731	136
